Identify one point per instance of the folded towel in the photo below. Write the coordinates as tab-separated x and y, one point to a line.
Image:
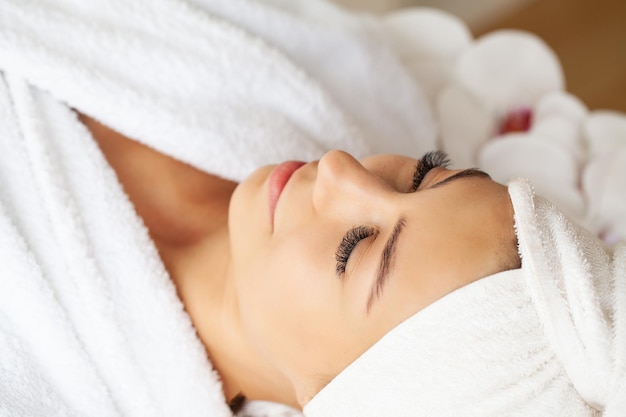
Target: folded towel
578	287
90	323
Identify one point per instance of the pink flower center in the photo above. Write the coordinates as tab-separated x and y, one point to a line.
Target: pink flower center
610	238
518	120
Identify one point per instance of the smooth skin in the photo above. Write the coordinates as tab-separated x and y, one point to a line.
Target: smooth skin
277	320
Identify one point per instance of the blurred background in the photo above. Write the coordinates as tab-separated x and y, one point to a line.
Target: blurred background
589	36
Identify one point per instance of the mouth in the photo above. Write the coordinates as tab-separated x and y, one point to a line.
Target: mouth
278	180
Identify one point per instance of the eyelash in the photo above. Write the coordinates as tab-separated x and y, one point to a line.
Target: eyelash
347	245
430	160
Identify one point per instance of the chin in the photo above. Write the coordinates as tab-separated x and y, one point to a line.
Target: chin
249	189
248	212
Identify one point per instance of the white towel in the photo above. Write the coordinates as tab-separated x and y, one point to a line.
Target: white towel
238	83
548	339
578	287
90	323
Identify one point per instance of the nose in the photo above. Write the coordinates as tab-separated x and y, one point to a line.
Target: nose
345	189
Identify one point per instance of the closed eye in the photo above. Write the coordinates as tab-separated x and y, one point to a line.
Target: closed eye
350	240
430	160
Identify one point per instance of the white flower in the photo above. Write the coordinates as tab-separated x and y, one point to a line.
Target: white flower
501	105
550	153
604	178
428	42
500	73
505	110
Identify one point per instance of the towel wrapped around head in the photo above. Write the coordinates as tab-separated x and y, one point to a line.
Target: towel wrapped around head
545	340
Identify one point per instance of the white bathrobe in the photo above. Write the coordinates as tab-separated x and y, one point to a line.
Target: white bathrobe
90	323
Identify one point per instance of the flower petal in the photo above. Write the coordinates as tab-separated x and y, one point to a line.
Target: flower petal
605	132
464	125
428	42
605	184
507	69
561	104
558	119
593	182
552	169
561	132
431	75
427	33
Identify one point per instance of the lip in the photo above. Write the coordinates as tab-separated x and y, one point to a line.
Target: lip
278	180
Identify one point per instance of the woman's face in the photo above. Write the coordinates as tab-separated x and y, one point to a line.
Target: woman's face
352	250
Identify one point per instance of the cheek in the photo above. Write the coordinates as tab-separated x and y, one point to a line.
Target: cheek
291	303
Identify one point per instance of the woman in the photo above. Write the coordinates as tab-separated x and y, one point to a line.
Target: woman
301	280
306	258
313	264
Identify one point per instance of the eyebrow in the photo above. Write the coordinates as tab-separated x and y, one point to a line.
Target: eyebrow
389	251
466	173
386	259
